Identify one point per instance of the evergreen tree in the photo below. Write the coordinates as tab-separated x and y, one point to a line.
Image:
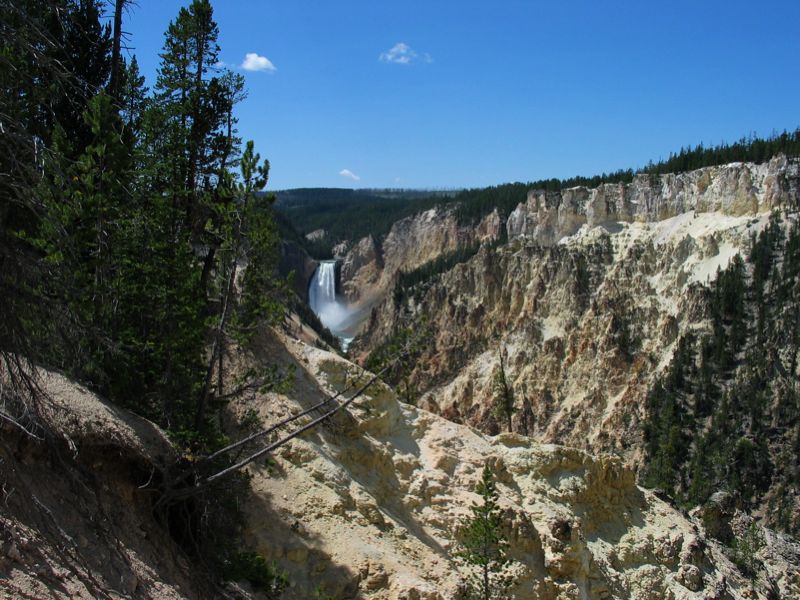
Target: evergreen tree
117	67
85	210
27	68
504	402
133	98
484	545
85	51
262	292
191	110
725	413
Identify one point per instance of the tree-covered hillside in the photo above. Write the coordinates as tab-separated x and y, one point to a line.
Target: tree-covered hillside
124	216
726	416
346	214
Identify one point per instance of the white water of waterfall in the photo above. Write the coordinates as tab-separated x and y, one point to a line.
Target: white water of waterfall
324	302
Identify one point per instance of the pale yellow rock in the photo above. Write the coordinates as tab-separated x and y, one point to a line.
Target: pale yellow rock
578	526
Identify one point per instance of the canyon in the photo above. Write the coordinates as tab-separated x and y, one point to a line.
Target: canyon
586	295
370	505
587	299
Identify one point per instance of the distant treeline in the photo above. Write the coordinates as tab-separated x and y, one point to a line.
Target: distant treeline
349	214
749	149
353	214
475	204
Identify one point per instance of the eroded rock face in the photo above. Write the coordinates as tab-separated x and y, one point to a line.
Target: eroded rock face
587	299
369	268
373	509
75	521
735	189
586	325
294	259
368	506
361	268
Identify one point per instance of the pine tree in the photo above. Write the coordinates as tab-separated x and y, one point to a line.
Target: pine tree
484	545
27	68
250	216
114	84
133	98
85	50
192	110
504	403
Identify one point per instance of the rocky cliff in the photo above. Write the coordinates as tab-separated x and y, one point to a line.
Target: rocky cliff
295	260
735	189
372	506
361	269
369	268
586	300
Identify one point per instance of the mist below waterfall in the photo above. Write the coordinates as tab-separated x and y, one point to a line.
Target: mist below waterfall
324	301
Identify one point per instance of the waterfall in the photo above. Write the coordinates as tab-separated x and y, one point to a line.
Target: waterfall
324	302
322	289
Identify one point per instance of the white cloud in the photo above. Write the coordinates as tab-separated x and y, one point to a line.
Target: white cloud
349	174
254	62
403	54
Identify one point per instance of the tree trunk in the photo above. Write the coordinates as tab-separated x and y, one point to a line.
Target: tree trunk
114	85
202	402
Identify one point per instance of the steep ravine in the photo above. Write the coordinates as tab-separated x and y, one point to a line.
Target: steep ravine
370	507
367	506
586	301
369	267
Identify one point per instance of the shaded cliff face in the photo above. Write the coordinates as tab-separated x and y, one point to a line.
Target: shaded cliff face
75	521
369	268
361	269
294	259
587	300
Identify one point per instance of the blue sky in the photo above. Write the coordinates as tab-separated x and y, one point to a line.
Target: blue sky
482	93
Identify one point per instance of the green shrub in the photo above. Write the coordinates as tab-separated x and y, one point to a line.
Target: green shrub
263	576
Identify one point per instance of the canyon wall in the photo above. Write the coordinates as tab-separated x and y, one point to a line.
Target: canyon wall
369	267
294	259
735	189
372	506
586	301
369	505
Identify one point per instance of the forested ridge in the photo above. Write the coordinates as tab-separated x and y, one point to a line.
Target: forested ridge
346	214
726	414
126	213
349	215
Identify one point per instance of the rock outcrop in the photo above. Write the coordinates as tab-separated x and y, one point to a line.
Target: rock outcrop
361	269
294	259
587	299
735	189
372	507
369	268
